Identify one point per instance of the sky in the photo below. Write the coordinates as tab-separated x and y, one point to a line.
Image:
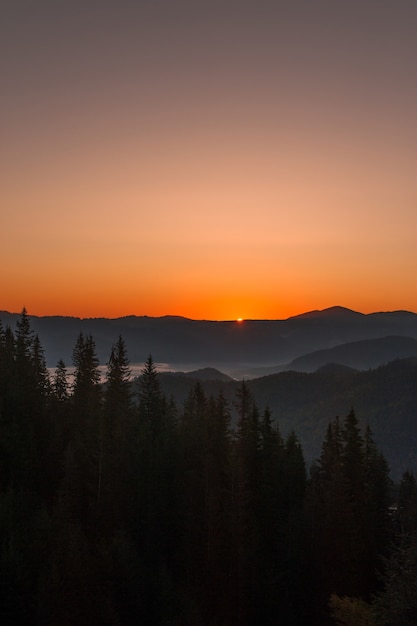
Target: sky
214	160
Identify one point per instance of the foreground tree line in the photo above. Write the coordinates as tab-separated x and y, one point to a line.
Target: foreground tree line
118	507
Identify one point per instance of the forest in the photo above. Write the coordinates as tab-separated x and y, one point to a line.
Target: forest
119	507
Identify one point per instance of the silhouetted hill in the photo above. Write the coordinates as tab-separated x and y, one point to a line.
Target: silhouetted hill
229	346
335	369
335	312
205	373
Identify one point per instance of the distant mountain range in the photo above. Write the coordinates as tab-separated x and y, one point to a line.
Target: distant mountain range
241	349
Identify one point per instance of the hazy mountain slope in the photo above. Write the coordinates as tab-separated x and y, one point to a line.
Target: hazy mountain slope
365	354
385	398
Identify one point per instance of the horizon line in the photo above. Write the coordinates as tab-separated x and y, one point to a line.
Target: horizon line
334	308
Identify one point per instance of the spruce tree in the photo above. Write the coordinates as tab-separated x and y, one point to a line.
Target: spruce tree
24	517
85	440
245	481
60	425
270	530
193	446
378	519
86	390
60	384
27	407
2	365
116	430
155	534
406	514
348	510
7	407
150	398
217	509
397	602
330	519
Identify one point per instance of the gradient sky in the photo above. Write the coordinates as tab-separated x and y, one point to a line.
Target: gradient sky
213	159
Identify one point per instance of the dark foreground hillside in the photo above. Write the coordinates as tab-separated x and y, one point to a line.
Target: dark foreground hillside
120	506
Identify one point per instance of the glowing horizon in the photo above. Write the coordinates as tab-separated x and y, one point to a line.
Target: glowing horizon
237	320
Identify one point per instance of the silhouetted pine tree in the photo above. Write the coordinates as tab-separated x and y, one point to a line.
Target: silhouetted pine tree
154	472
59	427
245	482
193	447
348	509
85	438
217	514
60	384
406	513
24	519
271	526
294	581
24	461
150	399
397	602
116	431
2	365
378	519
7	407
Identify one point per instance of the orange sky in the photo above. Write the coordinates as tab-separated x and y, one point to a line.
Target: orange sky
213	160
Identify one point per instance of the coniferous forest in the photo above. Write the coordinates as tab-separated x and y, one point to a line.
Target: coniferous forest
118	507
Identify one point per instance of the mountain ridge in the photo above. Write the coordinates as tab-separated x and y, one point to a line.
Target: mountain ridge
333	310
226	345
